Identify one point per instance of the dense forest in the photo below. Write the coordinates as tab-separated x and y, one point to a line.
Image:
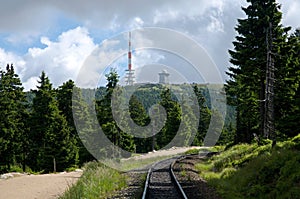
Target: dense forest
37	130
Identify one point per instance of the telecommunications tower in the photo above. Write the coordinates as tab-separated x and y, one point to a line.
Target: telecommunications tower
129	78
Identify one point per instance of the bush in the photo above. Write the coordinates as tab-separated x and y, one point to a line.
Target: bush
16	168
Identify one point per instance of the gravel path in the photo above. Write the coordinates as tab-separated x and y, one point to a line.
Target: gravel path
47	186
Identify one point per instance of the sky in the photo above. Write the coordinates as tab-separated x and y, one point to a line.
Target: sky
58	37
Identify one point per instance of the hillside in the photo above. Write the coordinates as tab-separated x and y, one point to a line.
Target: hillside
255	171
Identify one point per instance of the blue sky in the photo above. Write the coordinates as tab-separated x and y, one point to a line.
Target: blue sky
58	36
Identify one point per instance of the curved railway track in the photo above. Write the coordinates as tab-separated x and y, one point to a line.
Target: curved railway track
162	183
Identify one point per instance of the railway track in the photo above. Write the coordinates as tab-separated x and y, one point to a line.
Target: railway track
162	183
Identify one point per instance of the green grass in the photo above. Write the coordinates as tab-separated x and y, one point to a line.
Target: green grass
97	181
16	168
208	149
252	171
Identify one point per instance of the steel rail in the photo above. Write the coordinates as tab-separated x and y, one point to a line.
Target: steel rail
173	178
178	186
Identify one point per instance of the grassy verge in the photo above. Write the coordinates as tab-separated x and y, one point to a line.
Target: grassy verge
252	171
207	149
97	181
100	181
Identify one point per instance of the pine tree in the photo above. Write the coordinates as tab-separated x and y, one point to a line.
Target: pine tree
71	105
249	58
59	145
13	129
172	124
39	120
287	112
52	145
140	117
205	115
64	98
105	115
84	125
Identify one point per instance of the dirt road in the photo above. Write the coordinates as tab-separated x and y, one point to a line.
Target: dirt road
48	186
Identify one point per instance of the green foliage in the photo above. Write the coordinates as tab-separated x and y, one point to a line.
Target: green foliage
140	117
238	155
287	88
144	97
52	137
205	114
192	151
16	168
67	102
246	87
252	171
81	111
13	126
97	181
171	126
105	115
51	144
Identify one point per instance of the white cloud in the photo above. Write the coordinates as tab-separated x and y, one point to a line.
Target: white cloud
291	13
10	58
100	13
6	57
211	23
137	22
61	59
144	57
215	25
31	83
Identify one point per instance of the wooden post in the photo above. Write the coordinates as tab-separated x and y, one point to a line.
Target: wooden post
54	165
269	127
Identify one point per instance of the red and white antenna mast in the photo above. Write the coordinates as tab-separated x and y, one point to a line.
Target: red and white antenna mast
129	72
129	52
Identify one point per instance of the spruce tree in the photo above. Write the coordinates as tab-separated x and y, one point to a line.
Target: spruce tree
105	115
140	117
287	112
205	115
71	105
52	146
64	98
13	114
85	134
172	124
59	145
249	59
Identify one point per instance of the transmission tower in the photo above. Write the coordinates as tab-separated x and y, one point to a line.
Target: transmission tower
129	78
269	127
